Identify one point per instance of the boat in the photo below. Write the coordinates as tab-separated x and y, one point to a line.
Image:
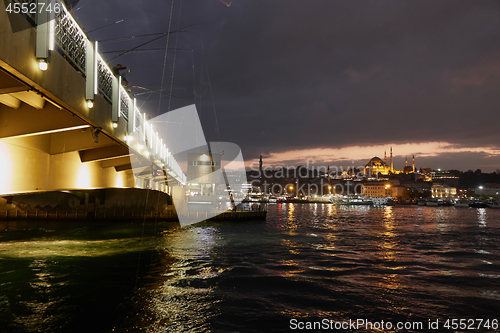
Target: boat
462	203
357	201
382	201
421	202
493	203
434	202
477	204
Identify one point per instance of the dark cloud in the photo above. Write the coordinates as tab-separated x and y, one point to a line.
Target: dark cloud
289	74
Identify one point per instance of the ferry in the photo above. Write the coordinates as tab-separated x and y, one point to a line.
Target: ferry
356	201
382	201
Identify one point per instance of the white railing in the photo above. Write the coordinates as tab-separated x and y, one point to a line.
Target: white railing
104	79
70	38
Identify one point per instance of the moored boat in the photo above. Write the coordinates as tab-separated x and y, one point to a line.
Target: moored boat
462	203
477	204
382	201
493	203
421	202
434	202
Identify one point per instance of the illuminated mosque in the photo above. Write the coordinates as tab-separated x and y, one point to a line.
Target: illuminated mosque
377	165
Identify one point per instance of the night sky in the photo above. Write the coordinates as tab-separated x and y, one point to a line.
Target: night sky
334	82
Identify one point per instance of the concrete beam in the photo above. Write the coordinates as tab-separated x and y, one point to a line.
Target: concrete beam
117	161
9	84
31	98
29	121
104	153
10	101
65	142
124	167
10	90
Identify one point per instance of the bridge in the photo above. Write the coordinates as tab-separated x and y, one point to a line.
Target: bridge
66	122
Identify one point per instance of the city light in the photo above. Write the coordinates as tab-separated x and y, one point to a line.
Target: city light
115	125
43	65
90	104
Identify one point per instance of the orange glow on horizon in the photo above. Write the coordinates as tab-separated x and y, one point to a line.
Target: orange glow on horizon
356	153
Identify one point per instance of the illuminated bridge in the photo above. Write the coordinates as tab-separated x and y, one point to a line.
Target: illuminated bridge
65	119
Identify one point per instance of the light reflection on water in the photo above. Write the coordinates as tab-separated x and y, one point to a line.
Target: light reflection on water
306	261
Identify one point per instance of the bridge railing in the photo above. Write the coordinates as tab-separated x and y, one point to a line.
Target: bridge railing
104	79
58	28
125	102
70	38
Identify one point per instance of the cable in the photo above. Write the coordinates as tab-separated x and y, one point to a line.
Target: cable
175	55
154	49
104	26
148	35
166	51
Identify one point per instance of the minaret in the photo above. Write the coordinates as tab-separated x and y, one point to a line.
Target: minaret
328	174
413	164
406	162
385	158
392	165
260	166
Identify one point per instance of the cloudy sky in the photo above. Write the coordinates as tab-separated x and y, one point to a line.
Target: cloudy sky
326	81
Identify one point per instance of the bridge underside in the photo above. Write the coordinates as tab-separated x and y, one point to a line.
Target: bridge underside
45	147
51	140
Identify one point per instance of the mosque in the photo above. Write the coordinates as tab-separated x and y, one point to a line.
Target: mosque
378	166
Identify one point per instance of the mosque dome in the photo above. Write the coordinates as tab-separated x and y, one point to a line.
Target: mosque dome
375	162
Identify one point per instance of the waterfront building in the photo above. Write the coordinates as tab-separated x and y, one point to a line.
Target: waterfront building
443	191
398	191
385	190
377	189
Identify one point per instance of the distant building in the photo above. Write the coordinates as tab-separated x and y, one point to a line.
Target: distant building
443	191
400	192
200	172
488	189
378	166
377	189
444	178
419	186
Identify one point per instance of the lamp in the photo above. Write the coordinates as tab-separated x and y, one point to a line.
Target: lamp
90	103
42	64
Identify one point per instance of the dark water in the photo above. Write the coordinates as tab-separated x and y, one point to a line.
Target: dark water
309	262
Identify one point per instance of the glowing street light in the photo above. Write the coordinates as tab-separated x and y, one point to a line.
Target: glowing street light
43	65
